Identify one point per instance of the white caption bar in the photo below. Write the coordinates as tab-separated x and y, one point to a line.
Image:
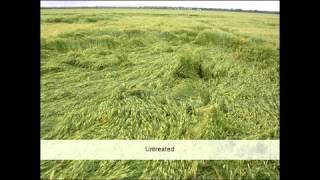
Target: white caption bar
159	149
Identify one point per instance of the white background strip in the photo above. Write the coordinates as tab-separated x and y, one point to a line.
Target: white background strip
138	150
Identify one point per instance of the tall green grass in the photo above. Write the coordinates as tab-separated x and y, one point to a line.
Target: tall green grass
159	74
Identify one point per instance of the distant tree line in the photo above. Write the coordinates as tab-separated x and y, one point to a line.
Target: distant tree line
164	7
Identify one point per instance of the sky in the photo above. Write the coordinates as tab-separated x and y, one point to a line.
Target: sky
244	5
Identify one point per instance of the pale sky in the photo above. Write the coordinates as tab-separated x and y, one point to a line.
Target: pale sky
244	5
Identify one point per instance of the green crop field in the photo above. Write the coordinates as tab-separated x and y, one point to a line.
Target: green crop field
159	74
